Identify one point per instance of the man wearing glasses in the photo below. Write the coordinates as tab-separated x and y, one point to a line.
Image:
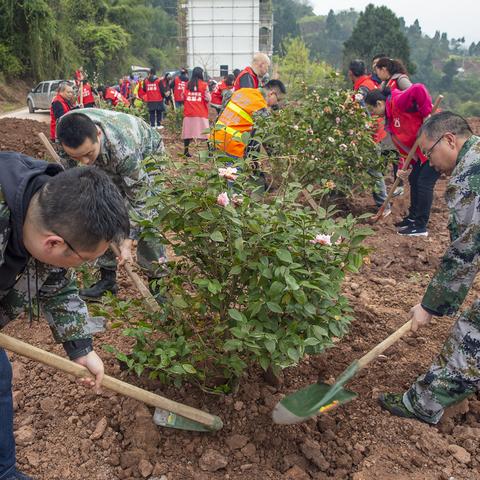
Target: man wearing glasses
452	149
51	220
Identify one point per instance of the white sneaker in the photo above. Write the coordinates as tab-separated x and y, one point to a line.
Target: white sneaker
160	127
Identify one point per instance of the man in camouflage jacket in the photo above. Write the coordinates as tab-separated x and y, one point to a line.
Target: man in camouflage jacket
50	220
118	143
451	148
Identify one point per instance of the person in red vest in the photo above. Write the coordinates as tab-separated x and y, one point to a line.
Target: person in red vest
151	93
195	110
87	95
404	114
125	87
61	104
178	86
393	74
219	93
250	77
79	76
111	96
362	85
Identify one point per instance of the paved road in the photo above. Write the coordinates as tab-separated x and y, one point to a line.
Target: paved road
40	116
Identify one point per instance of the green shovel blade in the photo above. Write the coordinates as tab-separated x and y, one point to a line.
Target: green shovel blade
164	418
314	399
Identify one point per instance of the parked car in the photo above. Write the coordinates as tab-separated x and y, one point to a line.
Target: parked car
41	96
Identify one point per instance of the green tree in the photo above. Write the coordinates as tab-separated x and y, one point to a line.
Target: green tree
286	14
378	30
325	35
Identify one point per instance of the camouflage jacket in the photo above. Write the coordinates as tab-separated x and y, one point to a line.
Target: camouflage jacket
127	140
461	261
25	281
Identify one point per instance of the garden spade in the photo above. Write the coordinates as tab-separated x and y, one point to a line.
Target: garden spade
321	397
168	413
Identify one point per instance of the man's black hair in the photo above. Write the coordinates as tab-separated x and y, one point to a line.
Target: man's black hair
74	129
276	85
153	71
373	96
236	72
443	122
357	67
84	207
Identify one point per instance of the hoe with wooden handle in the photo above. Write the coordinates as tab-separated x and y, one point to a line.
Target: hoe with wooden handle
167	412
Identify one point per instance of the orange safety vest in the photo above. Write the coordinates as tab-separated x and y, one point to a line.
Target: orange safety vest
236	120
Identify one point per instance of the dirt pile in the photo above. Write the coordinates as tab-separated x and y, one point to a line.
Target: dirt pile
22	136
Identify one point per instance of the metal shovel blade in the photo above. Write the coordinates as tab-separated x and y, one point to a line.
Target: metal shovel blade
307	402
164	418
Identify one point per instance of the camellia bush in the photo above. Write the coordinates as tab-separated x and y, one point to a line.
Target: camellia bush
255	278
326	137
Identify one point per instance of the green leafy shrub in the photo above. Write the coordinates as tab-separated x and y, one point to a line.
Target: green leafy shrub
255	281
324	138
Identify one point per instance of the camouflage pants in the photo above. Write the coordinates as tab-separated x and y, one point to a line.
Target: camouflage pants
151	257
454	375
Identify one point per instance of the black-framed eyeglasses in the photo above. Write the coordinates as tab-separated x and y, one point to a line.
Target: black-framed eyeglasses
429	152
70	246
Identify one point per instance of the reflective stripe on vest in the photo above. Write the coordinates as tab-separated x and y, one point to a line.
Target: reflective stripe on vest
240	111
231	131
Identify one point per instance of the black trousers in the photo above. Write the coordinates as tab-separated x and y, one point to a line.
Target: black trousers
422	181
156	111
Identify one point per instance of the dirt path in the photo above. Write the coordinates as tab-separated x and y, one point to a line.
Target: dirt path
64	432
23	113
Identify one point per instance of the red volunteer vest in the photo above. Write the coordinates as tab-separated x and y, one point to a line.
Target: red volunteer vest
152	90
367	82
392	84
115	97
404	127
217	94
247	70
53	120
179	89
195	104
88	97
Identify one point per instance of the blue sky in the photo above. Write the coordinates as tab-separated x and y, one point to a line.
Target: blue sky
459	18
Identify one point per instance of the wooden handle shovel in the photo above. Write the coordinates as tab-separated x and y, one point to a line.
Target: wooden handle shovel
145	292
408	160
138	282
168	412
321	397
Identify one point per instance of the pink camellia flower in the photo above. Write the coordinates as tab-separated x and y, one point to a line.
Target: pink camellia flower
322	239
223	199
338	120
230	173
